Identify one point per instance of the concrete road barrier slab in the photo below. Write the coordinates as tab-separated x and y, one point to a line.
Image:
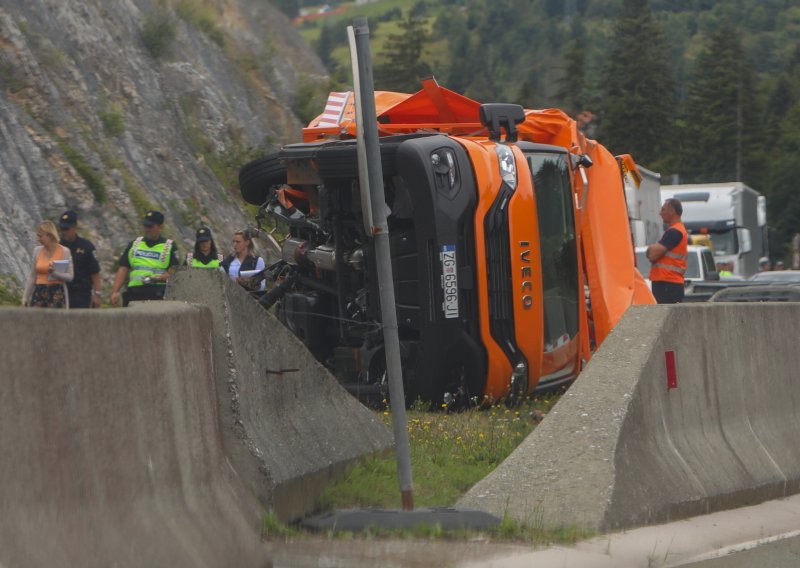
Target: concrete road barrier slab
621	449
289	428
111	453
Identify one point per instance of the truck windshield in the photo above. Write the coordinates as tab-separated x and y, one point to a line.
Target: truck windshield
551	183
725	242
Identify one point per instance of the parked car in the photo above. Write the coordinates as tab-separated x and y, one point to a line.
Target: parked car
776	276
759	293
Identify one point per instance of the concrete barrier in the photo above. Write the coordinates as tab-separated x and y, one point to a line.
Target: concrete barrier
110	449
621	449
288	426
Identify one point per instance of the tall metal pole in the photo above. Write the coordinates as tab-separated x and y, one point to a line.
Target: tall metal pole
380	233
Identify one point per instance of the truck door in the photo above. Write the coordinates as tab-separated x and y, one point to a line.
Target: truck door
562	293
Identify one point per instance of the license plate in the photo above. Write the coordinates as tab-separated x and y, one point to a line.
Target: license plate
447	256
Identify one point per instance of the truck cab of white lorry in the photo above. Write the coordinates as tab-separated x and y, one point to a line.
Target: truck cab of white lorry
731	214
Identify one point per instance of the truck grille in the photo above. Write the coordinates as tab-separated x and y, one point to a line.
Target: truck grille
498	267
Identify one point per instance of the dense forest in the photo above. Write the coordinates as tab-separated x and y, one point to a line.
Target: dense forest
699	90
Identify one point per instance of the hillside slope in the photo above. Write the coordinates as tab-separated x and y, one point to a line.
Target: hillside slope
93	120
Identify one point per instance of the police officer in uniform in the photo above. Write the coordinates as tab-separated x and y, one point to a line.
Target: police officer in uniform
205	253
147	263
668	256
84	290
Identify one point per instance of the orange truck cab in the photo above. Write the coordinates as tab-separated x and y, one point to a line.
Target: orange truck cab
497	226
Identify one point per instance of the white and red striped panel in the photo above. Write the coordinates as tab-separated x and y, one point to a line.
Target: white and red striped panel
334	108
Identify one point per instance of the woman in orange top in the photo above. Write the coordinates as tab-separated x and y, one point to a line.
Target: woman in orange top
52	269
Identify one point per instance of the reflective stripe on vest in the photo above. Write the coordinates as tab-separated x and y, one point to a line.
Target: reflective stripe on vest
668	267
148	261
672	266
194	263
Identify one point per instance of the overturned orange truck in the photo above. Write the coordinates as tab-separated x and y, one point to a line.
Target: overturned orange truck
500	220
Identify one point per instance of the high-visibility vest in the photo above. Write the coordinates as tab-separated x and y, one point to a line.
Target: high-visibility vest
672	266
194	263
148	261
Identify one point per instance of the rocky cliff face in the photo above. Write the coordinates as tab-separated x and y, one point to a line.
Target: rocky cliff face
111	108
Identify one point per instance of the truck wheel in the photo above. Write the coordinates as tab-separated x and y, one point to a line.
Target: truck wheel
257	178
342	161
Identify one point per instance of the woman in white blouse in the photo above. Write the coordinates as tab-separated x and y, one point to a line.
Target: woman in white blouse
244	258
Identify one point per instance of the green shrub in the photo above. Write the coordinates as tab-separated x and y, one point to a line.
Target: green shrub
9	291
203	17
158	33
94	181
113	120
308	99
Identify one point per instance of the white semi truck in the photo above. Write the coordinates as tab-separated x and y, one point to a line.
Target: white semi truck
732	214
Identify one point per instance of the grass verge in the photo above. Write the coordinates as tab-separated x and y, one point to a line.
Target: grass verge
450	452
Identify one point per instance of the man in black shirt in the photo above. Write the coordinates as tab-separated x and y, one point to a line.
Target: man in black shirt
84	290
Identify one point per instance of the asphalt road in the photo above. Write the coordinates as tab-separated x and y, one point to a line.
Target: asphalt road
765	535
780	554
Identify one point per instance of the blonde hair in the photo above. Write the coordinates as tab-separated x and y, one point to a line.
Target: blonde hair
247	235
48	228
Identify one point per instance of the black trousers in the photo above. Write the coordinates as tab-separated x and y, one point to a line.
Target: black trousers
142	293
667	292
80	299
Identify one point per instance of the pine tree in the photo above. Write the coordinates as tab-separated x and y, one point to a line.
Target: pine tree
637	111
784	201
783	117
403	66
324	46
722	132
571	94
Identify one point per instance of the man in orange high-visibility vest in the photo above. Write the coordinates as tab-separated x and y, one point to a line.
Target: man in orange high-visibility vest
668	256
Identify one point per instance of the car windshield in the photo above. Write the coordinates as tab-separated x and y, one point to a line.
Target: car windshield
777	276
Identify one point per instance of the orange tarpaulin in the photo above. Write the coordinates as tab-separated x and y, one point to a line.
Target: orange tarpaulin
614	282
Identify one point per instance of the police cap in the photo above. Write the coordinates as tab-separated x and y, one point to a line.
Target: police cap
153	218
68	219
203	234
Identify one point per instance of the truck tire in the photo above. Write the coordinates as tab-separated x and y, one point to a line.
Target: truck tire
337	162
257	178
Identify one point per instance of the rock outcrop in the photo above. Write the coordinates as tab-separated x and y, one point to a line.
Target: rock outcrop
96	115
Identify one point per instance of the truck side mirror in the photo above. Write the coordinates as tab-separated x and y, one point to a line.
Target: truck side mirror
745	241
